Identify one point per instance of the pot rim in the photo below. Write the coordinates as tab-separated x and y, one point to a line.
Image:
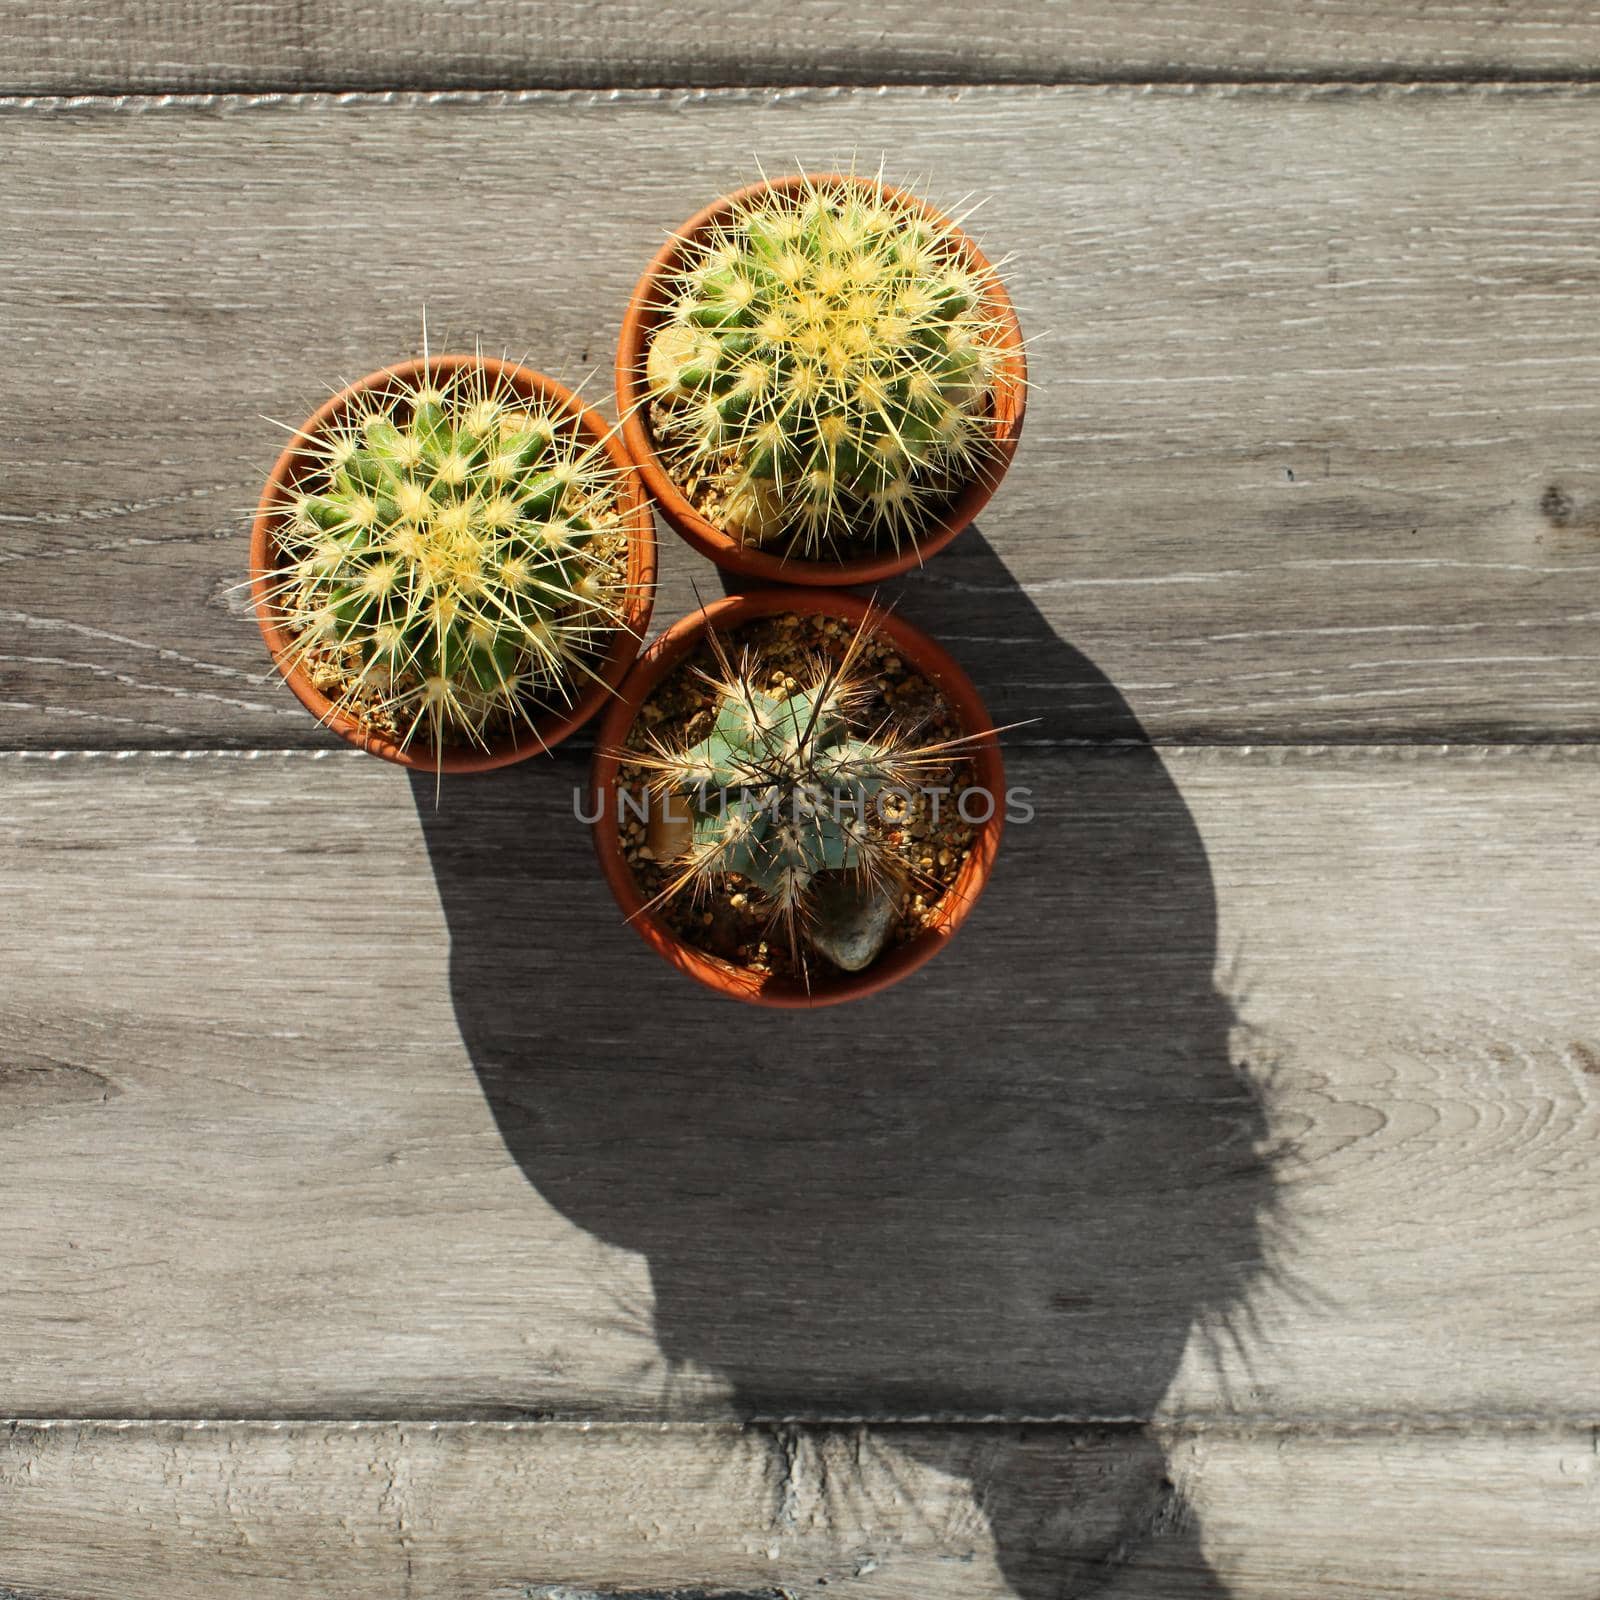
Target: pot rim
670	651
550	727
642	318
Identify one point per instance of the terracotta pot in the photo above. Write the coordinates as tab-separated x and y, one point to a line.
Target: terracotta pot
645	315
297	462
669	652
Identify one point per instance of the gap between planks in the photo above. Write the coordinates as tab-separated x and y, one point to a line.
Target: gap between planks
1178	78
1582	84
1402	750
1368	1425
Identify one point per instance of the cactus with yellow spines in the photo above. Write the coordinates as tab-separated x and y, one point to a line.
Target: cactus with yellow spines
452	555
826	362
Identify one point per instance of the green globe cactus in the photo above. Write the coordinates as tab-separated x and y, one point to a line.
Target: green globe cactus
825	367
786	788
450	563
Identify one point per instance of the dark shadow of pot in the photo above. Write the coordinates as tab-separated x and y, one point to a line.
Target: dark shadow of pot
1015	1186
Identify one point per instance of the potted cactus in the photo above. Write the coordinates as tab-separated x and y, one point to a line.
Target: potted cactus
452	563
822	380
797	798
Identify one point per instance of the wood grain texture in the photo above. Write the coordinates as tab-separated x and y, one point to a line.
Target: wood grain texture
1258	1086
110	45
167	1511
1311	453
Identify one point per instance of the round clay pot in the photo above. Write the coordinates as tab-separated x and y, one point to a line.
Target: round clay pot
645	314
669	652
297	462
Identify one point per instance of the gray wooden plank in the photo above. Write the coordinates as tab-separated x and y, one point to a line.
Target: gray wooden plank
1259	1085
110	45
1311	453
172	1510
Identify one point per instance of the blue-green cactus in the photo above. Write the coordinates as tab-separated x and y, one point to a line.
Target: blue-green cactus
782	789
795	785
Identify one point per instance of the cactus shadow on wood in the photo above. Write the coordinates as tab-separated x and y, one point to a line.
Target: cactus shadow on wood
1021	1184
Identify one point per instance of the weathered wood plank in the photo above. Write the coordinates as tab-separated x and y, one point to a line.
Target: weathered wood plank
162	45
314	1109
1312	452
169	1511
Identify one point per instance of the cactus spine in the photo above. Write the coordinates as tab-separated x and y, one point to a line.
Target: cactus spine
825	363
450	560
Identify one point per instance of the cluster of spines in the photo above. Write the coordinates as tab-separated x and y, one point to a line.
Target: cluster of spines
446	550
788	784
826	360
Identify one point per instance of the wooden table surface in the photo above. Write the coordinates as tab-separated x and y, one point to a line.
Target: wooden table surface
1219	1216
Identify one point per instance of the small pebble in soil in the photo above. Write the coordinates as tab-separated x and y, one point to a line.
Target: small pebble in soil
670	833
855	921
